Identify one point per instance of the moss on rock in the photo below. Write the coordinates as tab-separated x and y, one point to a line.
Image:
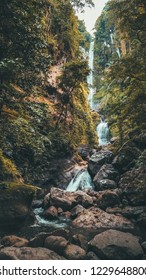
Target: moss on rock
15	203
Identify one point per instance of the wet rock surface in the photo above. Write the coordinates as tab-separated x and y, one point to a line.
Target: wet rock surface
105	223
15	203
113	244
14	241
106	178
95	218
132	184
27	253
97	160
74	252
126	157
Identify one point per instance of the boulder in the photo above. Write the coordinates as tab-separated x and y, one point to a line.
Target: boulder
39	239
76	211
27	253
108	198
106	178
62	199
97	160
132	184
15	203
56	243
83	199
104	184
128	211
108	171
51	213
126	157
116	245
14	241
74	252
95	218
68	200
80	240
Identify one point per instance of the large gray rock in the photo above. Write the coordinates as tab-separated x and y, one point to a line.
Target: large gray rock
97	160
95	218
128	211
60	198
51	213
76	211
56	243
74	252
15	241
116	245
68	200
27	253
83	199
106	178
39	239
15	203
107	198
126	157
104	184
133	186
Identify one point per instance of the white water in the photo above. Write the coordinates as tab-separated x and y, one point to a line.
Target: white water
40	221
103	133
82	181
118	52
90	77
112	38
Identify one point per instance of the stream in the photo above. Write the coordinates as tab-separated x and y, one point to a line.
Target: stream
102	128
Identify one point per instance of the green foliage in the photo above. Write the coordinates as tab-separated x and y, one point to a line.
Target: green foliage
122	79
74	73
8	170
80	4
22	43
86	36
35	35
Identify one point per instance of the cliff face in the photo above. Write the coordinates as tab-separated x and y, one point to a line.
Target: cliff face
43	108
120	66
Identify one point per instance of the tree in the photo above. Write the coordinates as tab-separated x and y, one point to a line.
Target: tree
80	4
124	76
74	73
22	42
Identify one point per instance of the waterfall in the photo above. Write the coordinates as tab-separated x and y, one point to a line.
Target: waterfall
90	77
82	181
103	132
112	38
118	52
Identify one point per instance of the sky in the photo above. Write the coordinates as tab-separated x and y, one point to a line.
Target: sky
91	14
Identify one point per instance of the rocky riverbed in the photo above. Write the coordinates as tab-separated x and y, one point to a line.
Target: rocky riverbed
107	222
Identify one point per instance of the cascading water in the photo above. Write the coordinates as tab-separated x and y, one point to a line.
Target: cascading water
81	181
103	132
118	52
90	77
102	128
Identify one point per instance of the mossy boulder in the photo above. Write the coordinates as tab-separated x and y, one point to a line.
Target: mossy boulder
15	203
126	158
133	182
